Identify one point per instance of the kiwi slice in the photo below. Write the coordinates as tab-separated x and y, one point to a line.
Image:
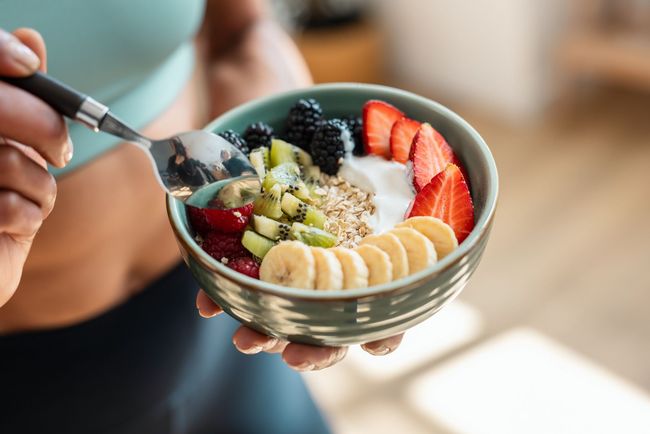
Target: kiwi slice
256	244
271	229
312	236
301	191
311	175
285	174
300	212
269	203
282	152
259	158
302	157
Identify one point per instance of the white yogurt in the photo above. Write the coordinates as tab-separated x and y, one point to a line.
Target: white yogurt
389	183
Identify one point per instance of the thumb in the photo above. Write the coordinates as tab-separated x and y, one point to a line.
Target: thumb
16	58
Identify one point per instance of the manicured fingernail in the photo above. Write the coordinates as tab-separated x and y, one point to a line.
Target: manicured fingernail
270	344
251	350
23	55
51	200
69	151
379	351
305	367
209	315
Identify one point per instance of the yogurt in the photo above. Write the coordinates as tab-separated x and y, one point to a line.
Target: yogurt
388	181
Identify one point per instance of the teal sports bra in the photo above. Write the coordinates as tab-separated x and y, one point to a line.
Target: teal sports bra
133	55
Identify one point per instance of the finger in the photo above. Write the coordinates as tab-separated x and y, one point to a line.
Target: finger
278	347
30	152
249	341
32	122
383	346
20	173
16	59
34	41
18	216
311	358
207	308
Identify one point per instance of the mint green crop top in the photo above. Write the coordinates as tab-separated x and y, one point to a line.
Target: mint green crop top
133	55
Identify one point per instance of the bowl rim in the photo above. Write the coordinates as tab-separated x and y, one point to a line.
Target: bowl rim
480	230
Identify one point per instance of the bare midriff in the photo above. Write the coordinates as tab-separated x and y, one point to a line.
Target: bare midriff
108	236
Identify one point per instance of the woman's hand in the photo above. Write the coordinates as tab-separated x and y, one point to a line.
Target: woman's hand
298	356
31	134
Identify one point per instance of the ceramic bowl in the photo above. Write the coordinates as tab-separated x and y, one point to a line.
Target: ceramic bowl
349	316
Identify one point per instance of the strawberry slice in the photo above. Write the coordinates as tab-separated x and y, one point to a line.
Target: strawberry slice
401	138
233	220
447	197
430	154
378	120
459	163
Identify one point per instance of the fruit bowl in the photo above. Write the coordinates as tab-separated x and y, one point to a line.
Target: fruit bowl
355	316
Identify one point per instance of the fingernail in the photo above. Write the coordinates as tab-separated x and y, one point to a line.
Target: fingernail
51	200
270	344
379	351
208	315
252	350
23	55
305	367
67	156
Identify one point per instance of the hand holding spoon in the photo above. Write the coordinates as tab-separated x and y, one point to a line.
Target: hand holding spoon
196	167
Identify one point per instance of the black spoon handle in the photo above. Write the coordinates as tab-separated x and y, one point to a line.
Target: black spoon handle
62	98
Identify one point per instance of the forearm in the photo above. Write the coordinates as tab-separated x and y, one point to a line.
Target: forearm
262	61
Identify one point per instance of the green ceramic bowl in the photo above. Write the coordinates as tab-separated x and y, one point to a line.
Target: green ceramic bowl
360	315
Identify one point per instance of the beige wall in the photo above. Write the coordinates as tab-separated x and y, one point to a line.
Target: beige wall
492	53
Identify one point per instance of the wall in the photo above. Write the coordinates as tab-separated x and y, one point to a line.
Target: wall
492	53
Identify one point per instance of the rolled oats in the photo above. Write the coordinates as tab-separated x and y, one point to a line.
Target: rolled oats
348	210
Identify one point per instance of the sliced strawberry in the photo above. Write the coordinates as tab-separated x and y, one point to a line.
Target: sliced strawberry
401	138
378	120
231	220
460	165
429	154
447	197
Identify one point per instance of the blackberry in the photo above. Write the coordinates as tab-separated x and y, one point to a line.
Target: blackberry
236	140
258	134
303	120
355	125
329	144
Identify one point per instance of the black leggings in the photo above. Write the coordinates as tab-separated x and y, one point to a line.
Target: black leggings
151	365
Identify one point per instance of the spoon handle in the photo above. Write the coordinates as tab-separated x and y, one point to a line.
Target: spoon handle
62	98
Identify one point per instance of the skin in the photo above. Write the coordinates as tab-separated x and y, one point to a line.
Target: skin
43	285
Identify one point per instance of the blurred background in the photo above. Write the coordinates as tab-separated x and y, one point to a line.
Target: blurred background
552	335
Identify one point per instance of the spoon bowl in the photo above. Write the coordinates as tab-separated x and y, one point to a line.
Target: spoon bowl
196	167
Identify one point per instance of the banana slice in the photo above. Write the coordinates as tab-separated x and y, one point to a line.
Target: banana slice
380	269
419	249
440	233
329	274
355	271
390	244
291	264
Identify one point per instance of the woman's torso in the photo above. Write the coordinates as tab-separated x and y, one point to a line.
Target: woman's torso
108	235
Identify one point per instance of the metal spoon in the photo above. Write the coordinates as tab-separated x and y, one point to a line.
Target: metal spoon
196	167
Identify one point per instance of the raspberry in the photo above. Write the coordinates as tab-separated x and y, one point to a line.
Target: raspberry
236	140
355	125
303	120
331	141
246	265
206	220
220	245
258	134
198	221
